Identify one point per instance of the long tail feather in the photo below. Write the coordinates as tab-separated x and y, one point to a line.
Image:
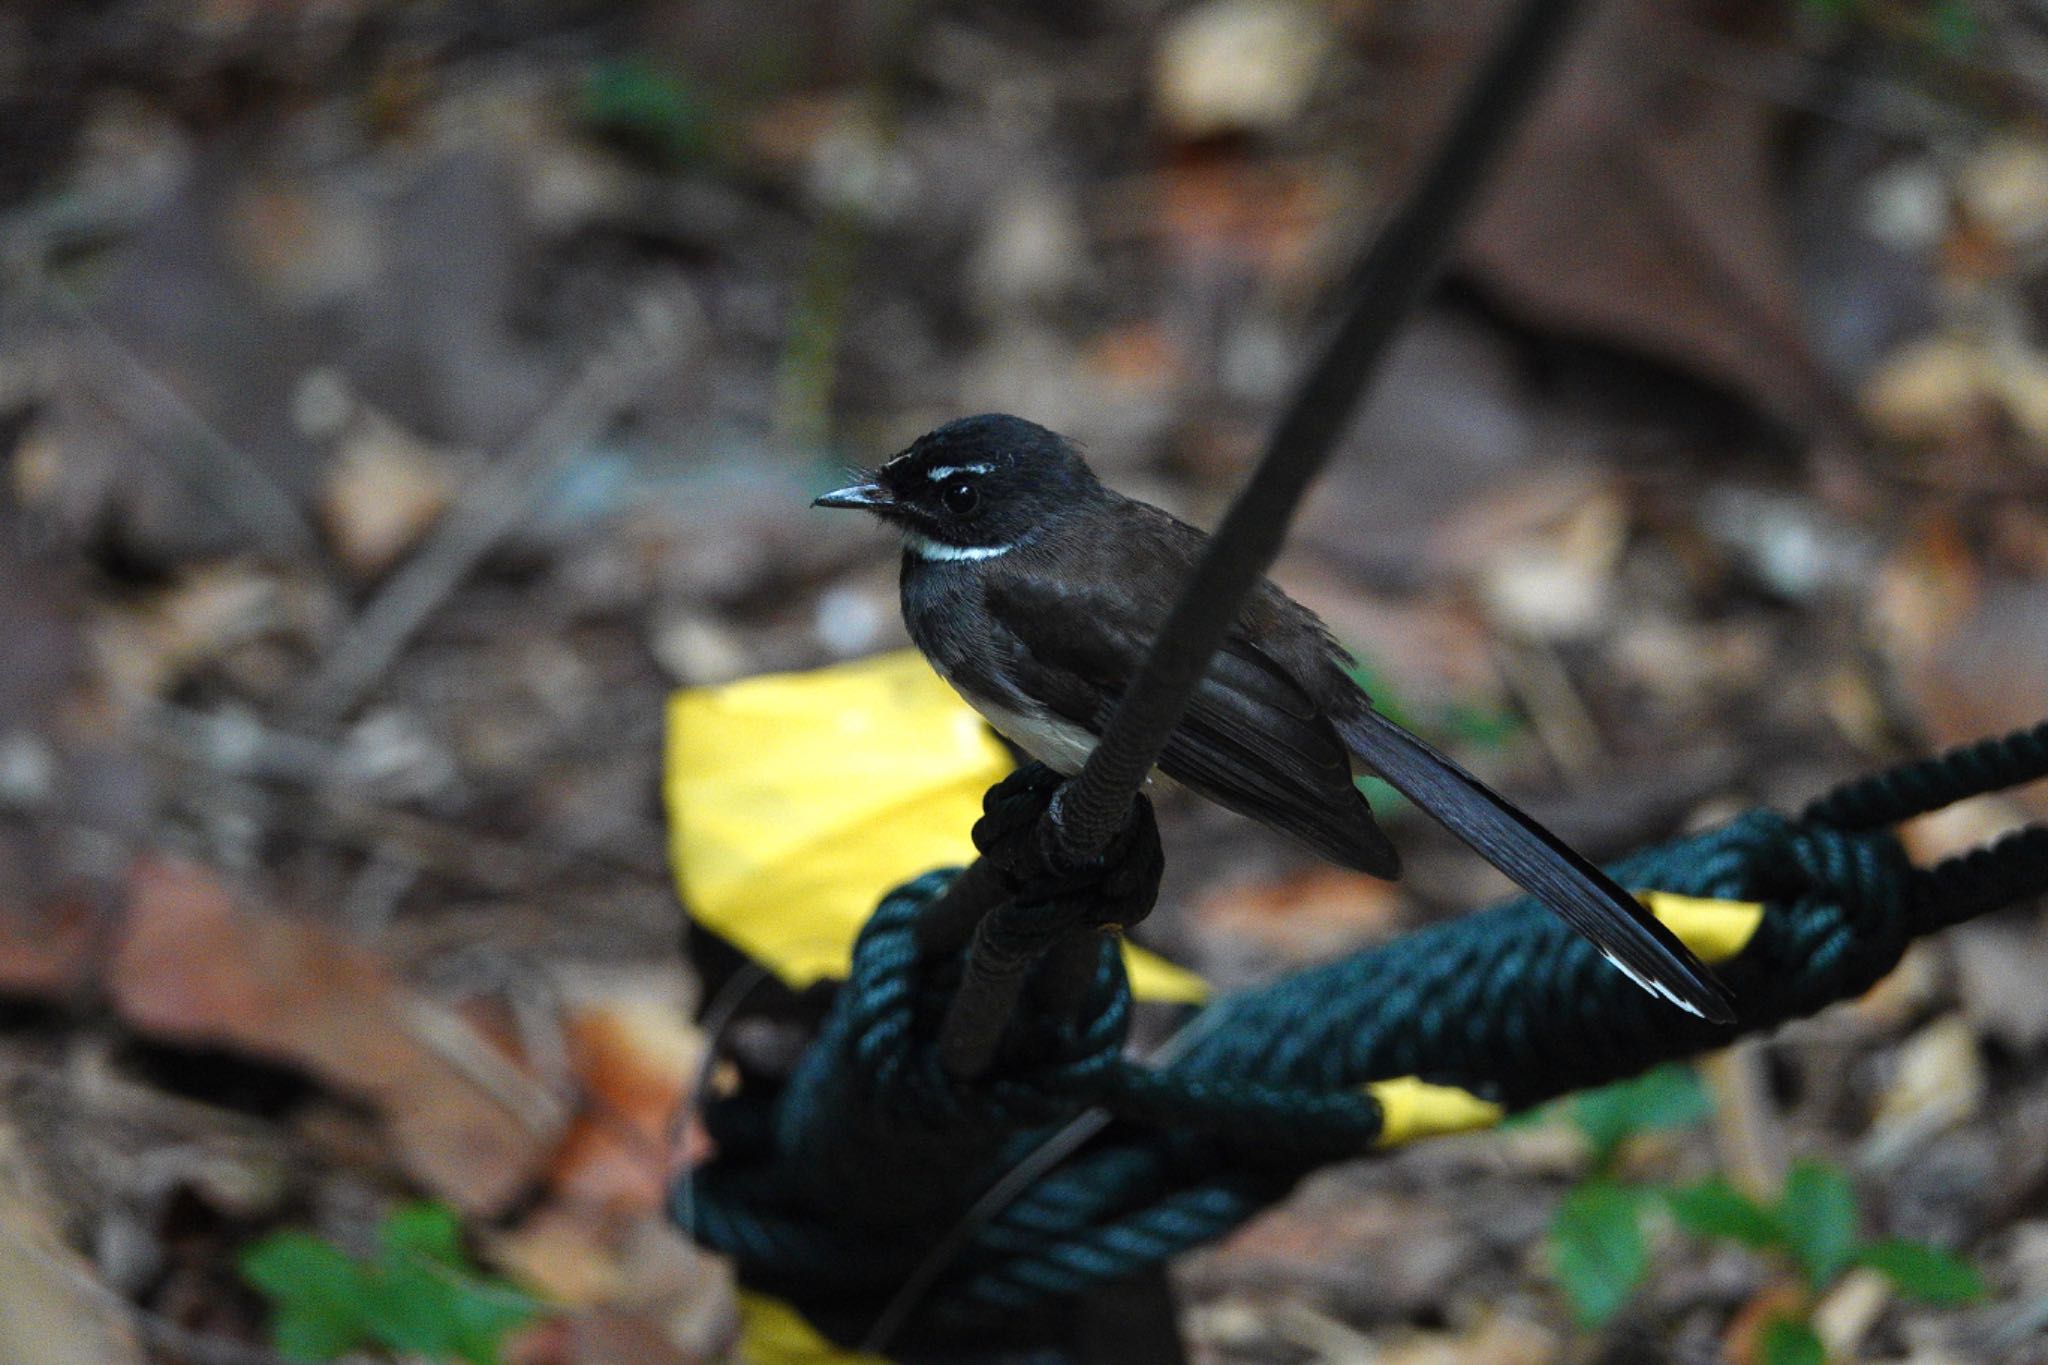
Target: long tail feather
1542	864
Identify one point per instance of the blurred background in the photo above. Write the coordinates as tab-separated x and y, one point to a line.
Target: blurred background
399	398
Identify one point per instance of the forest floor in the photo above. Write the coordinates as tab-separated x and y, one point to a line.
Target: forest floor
397	402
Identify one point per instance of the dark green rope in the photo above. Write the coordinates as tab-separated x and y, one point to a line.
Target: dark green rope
831	1189
1911	789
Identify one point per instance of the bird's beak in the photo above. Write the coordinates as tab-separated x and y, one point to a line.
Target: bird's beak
871	497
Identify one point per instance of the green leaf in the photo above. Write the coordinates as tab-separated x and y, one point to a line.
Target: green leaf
1954	27
1597	1248
657	112
320	1294
1818	1214
432	1231
483	1313
1714	1208
1923	1272
1668	1096
412	1309
301	1333
1788	1341
421	1298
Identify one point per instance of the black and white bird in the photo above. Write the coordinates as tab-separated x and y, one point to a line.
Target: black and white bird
1036	592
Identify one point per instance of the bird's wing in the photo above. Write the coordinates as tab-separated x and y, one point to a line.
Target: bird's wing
1251	738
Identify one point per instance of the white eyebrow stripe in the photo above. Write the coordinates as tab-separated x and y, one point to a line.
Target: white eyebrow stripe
924	547
947	471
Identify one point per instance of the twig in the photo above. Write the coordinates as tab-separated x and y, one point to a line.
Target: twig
1747	1130
454	1040
1391	278
606	384
209	463
1559	715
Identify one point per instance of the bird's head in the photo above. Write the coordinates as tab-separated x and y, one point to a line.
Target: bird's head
974	487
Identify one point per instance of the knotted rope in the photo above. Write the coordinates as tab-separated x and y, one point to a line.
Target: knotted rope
830	1190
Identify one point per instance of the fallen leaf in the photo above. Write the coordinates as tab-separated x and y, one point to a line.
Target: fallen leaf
1938	1082
2004	186
1637	206
1311	917
635	1053
1942	388
143	650
1930	388
1230	65
190	967
46	952
602	1338
1850	1309
637	1269
1965	648
385	489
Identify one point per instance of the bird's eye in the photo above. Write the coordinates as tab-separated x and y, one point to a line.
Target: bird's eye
960	497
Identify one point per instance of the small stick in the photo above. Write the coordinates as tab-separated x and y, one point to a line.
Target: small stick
607	383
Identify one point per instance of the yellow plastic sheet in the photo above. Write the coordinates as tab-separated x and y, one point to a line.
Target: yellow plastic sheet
1714	930
1412	1108
773	1333
796	799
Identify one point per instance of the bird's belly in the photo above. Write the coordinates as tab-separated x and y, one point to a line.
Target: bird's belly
1059	744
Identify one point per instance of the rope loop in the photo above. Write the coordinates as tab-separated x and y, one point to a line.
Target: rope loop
1115	889
894	1003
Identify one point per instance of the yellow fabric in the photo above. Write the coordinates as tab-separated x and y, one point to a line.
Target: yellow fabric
796	799
1714	930
1414	1108
773	1333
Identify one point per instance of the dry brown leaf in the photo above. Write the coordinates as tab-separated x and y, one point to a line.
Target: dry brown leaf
638	1270
1966	648
1637	206
190	967
47	952
141	651
2004	186
1215	204
603	1338
1311	917
634	1052
384	492
1939	1082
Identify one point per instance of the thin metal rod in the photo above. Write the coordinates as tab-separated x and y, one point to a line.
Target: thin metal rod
1393	275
